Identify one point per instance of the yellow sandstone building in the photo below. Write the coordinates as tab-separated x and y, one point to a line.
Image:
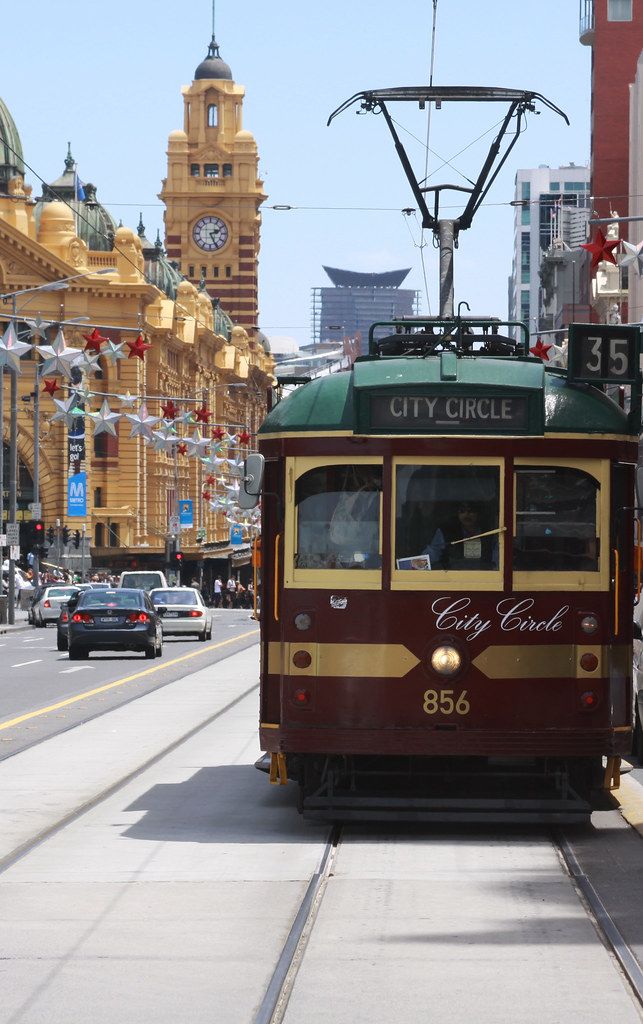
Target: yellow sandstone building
196	306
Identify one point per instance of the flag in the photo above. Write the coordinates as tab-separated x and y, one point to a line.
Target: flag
80	191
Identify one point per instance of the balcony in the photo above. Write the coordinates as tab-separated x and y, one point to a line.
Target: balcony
586	26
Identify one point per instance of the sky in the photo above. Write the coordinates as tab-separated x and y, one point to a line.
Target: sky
108	77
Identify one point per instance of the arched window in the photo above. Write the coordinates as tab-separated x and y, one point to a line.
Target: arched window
227	170
99	536
212	115
113	538
195	170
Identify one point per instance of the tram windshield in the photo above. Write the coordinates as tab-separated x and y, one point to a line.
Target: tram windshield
338	517
556	519
447	517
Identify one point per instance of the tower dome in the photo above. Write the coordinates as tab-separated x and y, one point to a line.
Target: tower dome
213	66
11	160
95	225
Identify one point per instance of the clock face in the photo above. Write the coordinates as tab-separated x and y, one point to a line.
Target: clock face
210	233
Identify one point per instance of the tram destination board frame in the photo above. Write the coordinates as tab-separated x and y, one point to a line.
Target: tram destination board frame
604	353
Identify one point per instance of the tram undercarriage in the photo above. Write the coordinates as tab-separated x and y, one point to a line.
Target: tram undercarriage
444	789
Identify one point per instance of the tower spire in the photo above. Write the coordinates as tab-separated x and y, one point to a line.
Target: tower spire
214	11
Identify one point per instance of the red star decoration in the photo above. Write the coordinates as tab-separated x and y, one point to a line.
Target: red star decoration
182	448
218	433
601	249
138	347
541	350
169	410
51	386
210	480
244	437
202	414
94	341
207	496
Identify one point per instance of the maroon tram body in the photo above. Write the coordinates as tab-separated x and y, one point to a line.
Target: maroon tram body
497	688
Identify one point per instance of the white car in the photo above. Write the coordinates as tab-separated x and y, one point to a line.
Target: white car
183	612
47	608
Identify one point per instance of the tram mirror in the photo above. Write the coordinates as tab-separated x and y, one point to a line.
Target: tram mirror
636	631
252	480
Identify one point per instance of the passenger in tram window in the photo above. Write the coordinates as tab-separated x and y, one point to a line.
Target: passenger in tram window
457	543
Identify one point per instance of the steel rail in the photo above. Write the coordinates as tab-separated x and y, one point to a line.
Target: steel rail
602	919
275	1001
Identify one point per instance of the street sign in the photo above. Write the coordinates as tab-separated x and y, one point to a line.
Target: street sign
3	539
186	514
77	495
36	509
174	525
236	535
200	535
14	552
13	533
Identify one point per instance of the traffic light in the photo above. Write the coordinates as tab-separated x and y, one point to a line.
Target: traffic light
50	535
176	559
37	534
65	535
43	551
76	538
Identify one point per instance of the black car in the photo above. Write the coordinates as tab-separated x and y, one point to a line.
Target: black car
66	610
114	620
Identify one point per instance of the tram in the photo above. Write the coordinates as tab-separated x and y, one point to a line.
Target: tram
447	568
447	534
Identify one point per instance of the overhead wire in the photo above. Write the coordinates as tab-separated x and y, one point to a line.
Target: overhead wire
426	155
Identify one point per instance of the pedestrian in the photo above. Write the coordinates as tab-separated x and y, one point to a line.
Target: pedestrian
218	588
231	592
195	584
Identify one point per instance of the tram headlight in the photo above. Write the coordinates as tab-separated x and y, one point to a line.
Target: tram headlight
589	624
446	660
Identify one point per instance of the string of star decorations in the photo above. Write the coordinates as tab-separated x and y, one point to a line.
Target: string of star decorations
178	431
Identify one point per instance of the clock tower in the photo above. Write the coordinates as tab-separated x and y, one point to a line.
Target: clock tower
212	192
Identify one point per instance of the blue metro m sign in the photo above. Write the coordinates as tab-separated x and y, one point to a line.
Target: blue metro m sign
77	495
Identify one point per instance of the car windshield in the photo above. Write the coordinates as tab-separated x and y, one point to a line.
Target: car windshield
142	580
110	599
181	597
61	591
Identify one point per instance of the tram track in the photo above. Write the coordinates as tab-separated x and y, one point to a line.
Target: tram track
274	1005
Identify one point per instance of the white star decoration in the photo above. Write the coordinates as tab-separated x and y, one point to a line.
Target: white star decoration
127	401
165	438
634	256
197	445
142	423
58	358
67	410
11	349
114	352
105	420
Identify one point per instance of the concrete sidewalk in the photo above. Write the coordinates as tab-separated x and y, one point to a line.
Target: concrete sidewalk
20	622
44	786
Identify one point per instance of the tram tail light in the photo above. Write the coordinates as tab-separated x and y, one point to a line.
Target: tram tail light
589	699
302	659
589	662
589	624
301	697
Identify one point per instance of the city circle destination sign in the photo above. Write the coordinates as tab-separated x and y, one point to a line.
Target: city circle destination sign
447	413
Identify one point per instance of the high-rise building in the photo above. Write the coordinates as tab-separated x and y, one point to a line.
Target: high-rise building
212	192
551	210
614	30
357	300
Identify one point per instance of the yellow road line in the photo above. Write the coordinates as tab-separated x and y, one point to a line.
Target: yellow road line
121	682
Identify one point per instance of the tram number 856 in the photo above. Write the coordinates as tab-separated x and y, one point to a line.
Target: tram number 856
445	702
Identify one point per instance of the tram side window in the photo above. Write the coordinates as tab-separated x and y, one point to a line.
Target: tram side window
555	520
338	518
442	513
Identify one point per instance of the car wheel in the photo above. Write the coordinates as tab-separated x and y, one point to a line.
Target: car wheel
62	645
150	652
203	636
40	623
210	633
159	649
78	653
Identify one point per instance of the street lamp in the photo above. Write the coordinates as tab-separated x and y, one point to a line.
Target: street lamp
50	286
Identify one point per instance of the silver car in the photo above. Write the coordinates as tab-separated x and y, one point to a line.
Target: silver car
47	607
183	612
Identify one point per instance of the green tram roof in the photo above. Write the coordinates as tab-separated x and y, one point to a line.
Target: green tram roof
331	403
